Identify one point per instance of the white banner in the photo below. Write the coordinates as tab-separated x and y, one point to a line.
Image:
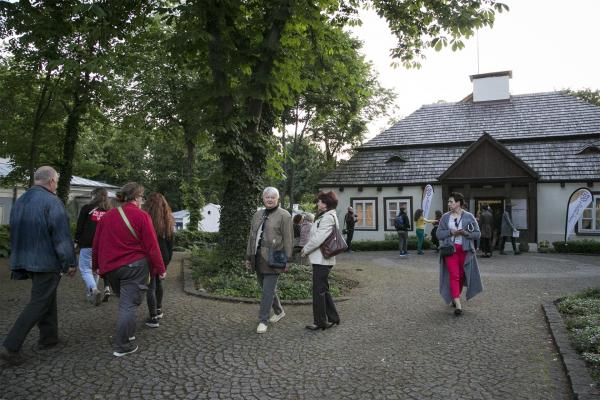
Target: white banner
426	203
580	199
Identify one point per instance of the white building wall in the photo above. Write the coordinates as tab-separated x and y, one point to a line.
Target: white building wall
211	215
413	192
552	211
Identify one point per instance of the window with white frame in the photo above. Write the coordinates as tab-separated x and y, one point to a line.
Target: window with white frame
365	210
392	209
590	219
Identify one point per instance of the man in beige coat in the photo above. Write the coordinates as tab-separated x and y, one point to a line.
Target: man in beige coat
271	231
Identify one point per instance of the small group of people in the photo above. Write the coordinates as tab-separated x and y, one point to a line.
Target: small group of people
271	239
403	224
129	247
507	231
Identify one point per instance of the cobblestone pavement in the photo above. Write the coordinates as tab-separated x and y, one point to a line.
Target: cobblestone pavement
397	340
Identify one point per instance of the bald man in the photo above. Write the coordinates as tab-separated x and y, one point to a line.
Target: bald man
41	250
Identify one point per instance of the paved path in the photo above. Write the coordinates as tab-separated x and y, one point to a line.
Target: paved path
397	340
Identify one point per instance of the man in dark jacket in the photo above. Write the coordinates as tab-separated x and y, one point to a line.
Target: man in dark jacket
350	220
486	226
41	249
402	225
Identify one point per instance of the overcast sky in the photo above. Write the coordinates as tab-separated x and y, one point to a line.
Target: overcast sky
548	44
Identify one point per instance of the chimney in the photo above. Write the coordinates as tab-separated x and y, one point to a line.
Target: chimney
491	86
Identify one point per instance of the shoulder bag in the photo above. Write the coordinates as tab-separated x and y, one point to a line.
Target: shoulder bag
334	244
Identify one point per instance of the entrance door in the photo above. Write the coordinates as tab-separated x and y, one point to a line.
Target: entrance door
497	206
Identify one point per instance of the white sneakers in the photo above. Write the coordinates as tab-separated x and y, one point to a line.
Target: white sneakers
277	317
262	328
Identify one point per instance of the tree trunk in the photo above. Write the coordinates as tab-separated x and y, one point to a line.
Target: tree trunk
76	112
192	193
42	106
243	151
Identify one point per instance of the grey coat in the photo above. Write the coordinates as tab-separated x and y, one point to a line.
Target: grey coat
278	235
507	226
472	277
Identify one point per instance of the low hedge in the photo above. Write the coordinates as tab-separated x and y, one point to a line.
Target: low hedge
235	281
578	246
390	243
4	241
581	313
185	239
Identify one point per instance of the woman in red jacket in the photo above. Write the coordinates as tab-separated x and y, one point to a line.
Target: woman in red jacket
126	250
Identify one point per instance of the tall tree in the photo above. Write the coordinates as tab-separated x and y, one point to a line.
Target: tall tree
245	42
75	39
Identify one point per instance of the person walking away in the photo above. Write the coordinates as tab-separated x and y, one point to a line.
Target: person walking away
297	227
88	218
41	250
434	239
486	225
307	222
458	229
402	225
420	222
126	250
164	225
350	220
325	314
507	230
270	233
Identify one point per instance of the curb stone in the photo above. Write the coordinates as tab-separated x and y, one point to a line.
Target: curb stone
582	385
189	288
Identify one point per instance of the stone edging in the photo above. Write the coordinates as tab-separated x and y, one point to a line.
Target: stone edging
582	385
189	288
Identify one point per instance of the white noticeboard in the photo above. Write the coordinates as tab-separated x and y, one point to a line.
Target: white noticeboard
519	213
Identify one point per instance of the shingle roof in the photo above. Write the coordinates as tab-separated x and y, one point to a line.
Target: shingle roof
552	160
6	167
557	127
529	116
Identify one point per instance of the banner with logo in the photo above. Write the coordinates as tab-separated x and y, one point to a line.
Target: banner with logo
426	202
579	200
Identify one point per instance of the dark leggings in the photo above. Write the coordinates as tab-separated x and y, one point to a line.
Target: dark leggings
154	295
512	239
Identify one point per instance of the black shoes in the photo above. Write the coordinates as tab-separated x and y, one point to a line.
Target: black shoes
11	357
458	312
313	327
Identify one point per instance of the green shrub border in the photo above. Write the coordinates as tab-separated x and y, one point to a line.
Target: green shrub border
390	243
585	246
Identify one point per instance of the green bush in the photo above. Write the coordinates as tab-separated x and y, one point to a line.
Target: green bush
390	243
186	239
4	241
578	246
581	313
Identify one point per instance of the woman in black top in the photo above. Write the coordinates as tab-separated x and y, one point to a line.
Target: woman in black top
164	223
89	216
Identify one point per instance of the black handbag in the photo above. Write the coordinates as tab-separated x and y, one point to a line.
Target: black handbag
277	259
446	251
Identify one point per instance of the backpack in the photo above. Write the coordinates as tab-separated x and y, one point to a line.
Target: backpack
399	223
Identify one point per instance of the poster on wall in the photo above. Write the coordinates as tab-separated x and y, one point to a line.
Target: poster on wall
519	213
